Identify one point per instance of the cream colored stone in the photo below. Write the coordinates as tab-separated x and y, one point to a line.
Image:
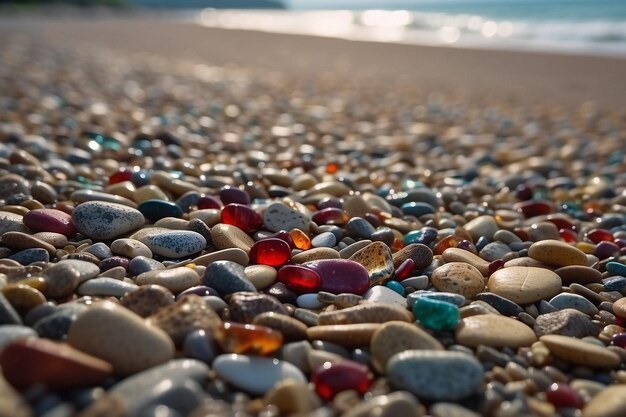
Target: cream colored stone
495	331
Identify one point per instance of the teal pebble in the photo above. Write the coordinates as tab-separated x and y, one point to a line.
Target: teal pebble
396	286
413	237
435	314
616	268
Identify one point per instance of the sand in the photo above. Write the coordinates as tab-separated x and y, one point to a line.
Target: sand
524	77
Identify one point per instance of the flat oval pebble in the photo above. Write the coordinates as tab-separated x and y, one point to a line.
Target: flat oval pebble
524	285
106	287
261	276
315	254
50	220
147	299
226	236
421	254
341	275
87	196
481	226
435	375
377	260
461	255
610	402
494	331
349	335
242	371
292	397
104	220
459	278
575	301
578	274
371	312
227	277
395	337
154	209
122	338
176	279
619	307
175	243
279	216
557	253
579	352
382	294
233	254
130	248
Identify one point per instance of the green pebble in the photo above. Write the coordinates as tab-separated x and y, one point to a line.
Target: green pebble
436	314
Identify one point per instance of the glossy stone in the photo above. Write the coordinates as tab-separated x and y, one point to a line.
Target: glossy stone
332	378
300	239
50	220
299	279
270	251
560	394
330	215
242	217
227	277
340	275
230	195
435	314
248	339
154	210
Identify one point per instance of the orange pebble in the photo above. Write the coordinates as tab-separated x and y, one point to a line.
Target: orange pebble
300	239
248	339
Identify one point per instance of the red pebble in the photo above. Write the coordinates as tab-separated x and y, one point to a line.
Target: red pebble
208	202
331	215
50	220
445	243
599	235
241	216
404	270
284	235
561	222
562	395
495	265
123	174
332	378
532	208
230	195
568	235
271	251
30	362
299	279
341	275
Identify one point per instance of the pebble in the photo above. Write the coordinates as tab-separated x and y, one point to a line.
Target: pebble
494	250
290	328
382	294
394	404
340	275
50	220
421	254
349	335
458	278
279	216
226	236
105	220
245	306
435	375
481	226
12	332
242	371
130	248
579	352
619	307
460	255
324	240
174	243
442	409
377	260
524	285
261	276
176	279
11	222
504	306
22	241
120	337
227	277
557	253
106	287
292	397
578	274
575	301
155	209
610	402
370	312
494	331
315	254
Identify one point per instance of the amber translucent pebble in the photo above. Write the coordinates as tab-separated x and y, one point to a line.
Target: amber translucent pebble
445	243
248	339
300	239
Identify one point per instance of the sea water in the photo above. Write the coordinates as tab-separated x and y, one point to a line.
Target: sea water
567	26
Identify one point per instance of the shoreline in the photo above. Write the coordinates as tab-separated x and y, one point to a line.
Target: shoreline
528	77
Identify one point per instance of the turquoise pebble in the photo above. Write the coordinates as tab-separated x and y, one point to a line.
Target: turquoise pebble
412	237
396	286
616	268
435	314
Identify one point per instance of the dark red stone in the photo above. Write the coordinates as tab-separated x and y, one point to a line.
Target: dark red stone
561	222
568	235
562	395
270	251
521	233
532	208
404	270
208	202
341	275
299	279
333	378
241	216
284	235
329	202
621	243
495	265
50	220
230	195
331	215
606	249
468	246
113	262
599	235
123	174
372	219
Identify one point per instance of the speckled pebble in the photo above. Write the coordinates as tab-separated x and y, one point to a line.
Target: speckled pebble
104	220
377	260
575	301
279	216
174	243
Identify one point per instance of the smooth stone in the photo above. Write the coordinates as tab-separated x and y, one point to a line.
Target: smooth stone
245	306
176	279
610	402
324	240
579	352
421	254
233	254
56	325
50	220
377	260
147	300
279	216
481	226
435	375
12	332
350	250
575	301
461	255
494	331
23	298
348	335
458	278
494	251
504	306
557	253
292	397
154	209
171	223
150	386
57	240
370	312
524	285
106	287
261	276
20	241
619	307
391	405
341	275
382	294
175	243
11	222
397	336
578	274
87	196
309	301
616	268
120	337
359	228
104	220
200	345
451	409
226	236
242	371
566	322
227	277
526	261
28	256
130	248
86	270
141	264
12	404
100	250
315	254
290	328
420	282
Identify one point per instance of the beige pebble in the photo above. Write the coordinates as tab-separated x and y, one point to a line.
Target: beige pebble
210	217
524	285
367	312
315	254
225	236
125	189
579	352
481	226
356	206
494	331
62	279
377	260
460	255
619	307
149	192
458	278
396	404
290	328
172	223
334	188
349	335
526	261
611	402
147	300
261	276
292	397
117	335
19	241
557	253
176	280
397	336
232	254
55	239
579	274
130	248
350	250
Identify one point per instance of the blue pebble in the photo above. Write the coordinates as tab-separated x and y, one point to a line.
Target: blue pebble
28	256
615	283
395	286
154	210
481	243
616	268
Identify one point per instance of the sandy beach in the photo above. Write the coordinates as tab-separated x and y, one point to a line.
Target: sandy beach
527	76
